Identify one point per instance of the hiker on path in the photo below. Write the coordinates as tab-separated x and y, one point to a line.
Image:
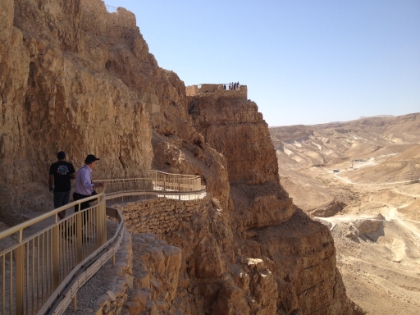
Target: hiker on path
61	173
84	185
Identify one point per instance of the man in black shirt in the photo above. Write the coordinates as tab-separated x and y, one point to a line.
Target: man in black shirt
61	172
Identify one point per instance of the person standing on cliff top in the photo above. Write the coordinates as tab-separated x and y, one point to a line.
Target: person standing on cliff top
61	173
84	185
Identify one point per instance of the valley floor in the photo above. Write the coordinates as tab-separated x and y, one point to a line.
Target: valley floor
376	234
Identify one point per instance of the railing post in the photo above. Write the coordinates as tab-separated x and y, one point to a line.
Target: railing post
79	235
105	237
155	179
99	229
101	224
20	255
56	256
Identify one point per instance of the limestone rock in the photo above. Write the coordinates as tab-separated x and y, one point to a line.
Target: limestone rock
77	78
156	266
234	127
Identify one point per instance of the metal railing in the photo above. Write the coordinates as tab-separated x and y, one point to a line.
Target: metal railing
62	296
35	264
157	184
44	261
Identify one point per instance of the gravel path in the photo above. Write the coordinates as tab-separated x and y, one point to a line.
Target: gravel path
102	282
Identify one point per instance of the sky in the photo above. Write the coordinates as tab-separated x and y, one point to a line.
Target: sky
304	61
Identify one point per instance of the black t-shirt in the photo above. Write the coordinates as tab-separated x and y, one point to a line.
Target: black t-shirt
62	171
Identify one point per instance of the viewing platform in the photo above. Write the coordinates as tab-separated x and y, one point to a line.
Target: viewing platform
221	90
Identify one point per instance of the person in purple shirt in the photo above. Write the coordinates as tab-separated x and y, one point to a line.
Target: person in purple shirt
84	185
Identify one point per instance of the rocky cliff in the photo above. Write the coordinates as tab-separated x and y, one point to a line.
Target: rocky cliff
298	253
74	77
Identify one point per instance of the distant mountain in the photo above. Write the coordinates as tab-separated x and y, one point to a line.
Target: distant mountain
380	116
404	166
352	139
372	150
384	124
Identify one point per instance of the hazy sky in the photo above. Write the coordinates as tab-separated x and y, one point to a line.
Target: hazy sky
304	61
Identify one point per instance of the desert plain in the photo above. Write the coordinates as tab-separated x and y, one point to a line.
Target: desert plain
361	179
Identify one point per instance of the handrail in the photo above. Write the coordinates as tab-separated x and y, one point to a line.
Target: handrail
26	224
35	265
43	270
177	184
173	174
60	299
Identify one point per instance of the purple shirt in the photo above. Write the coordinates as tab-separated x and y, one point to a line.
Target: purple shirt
84	185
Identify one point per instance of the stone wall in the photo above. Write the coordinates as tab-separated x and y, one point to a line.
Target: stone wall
160	215
151	285
143	281
218	90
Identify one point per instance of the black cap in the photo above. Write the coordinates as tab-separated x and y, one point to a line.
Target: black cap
90	158
61	155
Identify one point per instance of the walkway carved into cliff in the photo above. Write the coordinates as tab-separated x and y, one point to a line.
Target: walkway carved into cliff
45	261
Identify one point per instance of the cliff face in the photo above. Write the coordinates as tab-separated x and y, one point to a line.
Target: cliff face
249	153
298	254
74	77
233	126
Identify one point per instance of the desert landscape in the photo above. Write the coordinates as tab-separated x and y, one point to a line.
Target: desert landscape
361	179
323	222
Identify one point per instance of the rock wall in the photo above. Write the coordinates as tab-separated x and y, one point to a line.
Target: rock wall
156	271
75	78
235	128
144	279
304	255
160	215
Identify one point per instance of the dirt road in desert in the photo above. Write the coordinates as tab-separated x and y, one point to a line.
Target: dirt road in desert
378	247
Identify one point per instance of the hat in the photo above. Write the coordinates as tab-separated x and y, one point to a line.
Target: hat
61	155
90	158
